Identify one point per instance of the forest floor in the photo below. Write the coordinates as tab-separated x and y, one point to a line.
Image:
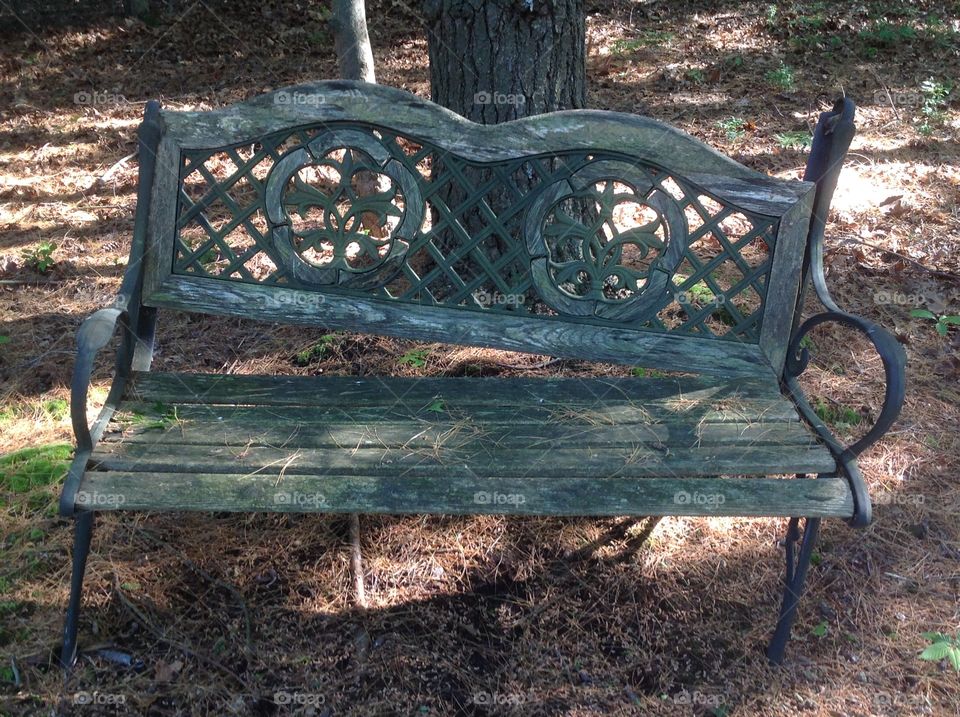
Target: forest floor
483	615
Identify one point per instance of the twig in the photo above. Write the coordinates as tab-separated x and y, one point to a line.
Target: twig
356	560
887	90
105	177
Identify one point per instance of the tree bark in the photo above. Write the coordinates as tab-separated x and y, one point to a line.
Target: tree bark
351	41
497	60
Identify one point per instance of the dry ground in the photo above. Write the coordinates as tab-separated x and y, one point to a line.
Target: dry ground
480	615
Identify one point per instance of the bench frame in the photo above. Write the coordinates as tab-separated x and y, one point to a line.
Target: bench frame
137	323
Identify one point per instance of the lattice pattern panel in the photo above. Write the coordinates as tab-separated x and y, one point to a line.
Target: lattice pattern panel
595	237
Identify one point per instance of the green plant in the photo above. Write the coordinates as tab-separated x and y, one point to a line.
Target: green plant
782	78
318	351
41	258
696	75
841	416
733	127
416	358
943	321
932	106
820	629
4	340
436	405
943	646
162	419
789	140
641	372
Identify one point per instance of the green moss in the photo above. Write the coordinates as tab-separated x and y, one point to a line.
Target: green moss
29	468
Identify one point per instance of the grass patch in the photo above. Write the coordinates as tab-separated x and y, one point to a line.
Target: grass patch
29	468
793	140
783	78
647	38
837	415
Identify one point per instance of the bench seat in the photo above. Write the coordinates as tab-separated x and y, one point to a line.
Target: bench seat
572	446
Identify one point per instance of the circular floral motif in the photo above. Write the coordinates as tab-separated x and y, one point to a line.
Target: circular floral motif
605	242
342	211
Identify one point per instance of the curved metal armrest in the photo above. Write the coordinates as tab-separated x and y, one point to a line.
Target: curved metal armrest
894	366
95	333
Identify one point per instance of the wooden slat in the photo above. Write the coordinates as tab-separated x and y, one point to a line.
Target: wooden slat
461	463
271	427
530	496
320	390
443	324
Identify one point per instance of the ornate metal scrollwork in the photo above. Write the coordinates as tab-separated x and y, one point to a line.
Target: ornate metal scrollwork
335	247
598	250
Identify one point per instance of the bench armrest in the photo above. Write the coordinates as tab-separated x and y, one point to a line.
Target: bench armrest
95	333
831	140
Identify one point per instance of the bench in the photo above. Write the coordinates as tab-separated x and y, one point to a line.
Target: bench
582	235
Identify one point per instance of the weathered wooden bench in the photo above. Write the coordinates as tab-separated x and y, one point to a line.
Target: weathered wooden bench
587	235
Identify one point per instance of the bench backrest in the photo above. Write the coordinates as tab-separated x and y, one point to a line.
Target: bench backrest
584	234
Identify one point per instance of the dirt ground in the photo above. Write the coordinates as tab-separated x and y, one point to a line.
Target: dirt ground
255	614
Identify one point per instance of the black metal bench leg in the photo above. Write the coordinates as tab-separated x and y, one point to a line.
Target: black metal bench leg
796	576
83	529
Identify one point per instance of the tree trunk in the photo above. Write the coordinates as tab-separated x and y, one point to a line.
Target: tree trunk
493	61
497	60
351	41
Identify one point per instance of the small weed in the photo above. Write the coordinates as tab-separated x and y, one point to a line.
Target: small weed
641	372
932	107
696	75
733	127
943	321
942	647
41	258
416	358
210	256
321	350
793	140
782	78
842	417
4	340
437	405
885	36
820	629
